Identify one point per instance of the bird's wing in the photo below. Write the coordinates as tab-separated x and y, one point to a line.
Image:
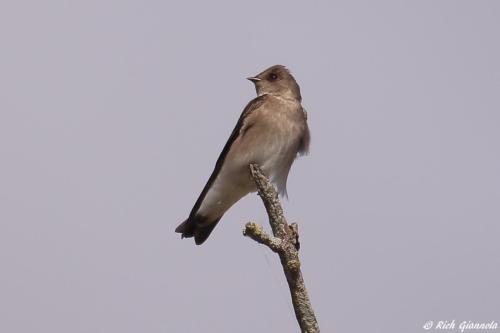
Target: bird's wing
240	129
306	137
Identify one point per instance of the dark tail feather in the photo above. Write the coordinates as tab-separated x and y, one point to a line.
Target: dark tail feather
186	228
197	227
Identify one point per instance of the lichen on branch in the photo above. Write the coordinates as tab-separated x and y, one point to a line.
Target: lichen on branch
284	242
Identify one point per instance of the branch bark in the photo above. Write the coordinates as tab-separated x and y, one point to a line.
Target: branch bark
285	243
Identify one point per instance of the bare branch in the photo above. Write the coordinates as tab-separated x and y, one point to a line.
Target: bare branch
285	243
257	233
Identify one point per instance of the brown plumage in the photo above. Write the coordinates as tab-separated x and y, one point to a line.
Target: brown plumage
271	131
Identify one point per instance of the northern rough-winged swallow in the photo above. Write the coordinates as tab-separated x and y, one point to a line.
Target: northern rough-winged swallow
271	131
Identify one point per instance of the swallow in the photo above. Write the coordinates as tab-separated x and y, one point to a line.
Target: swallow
271	132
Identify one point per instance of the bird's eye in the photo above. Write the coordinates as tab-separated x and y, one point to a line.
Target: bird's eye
273	76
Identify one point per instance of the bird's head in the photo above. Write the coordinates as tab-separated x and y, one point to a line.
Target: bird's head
276	80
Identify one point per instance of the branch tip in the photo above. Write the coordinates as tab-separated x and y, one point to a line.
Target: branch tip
285	242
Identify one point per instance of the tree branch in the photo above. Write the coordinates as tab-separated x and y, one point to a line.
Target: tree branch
286	244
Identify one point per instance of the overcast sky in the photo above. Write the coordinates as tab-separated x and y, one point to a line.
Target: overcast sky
113	113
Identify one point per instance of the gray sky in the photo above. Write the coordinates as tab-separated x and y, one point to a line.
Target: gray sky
113	113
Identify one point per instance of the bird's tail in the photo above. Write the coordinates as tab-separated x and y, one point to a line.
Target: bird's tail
198	227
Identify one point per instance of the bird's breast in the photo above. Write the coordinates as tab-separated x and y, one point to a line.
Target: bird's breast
269	137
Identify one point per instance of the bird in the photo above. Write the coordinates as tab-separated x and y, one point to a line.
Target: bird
271	132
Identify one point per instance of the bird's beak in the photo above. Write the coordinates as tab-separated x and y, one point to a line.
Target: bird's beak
253	79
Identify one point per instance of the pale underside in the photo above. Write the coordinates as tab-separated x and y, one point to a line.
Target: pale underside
270	137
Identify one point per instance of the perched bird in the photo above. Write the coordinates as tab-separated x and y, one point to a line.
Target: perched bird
271	131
